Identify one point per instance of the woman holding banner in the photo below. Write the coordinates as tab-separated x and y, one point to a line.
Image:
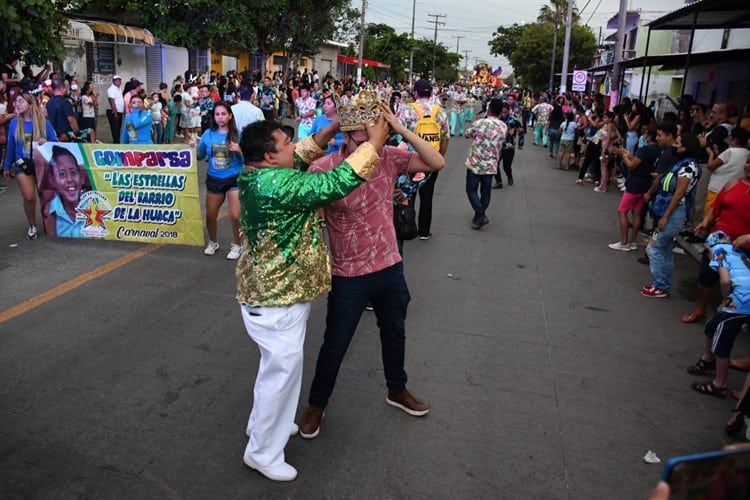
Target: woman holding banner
29	125
219	144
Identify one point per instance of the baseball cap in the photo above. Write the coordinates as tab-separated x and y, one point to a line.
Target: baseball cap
716	238
117	77
422	86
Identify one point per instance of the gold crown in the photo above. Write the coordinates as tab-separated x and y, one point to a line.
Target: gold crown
364	107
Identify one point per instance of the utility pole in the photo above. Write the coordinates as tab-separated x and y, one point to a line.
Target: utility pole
361	42
411	52
614	88
566	50
466	59
434	42
458	40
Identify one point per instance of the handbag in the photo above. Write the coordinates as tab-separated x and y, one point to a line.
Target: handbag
405	221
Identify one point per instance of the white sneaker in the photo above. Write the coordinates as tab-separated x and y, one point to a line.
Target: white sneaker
633	246
211	248
281	472
597	190
32	233
234	252
619	246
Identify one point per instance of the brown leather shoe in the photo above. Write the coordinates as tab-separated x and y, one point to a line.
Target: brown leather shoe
310	425
407	402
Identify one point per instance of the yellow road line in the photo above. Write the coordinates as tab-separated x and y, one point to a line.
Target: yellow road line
82	279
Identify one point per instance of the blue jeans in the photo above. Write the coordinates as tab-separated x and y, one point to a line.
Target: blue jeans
554	140
387	291
481	201
660	258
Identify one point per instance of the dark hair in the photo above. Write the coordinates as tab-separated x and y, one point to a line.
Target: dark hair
289	131
670	116
691	144
57	152
740	134
177	98
257	140
651	132
667	127
496	106
232	125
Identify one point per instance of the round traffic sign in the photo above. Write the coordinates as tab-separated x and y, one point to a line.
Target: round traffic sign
579	77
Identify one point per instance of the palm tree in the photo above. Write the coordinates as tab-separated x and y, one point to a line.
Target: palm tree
555	14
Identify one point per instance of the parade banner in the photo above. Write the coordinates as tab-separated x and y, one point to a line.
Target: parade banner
146	193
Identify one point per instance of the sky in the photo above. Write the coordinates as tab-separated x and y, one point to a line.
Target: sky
476	20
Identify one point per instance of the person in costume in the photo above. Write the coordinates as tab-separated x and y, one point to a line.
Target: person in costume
284	265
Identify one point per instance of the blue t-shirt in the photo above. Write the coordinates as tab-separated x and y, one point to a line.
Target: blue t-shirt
222	163
136	127
58	111
322	122
64	227
17	149
568	130
738	265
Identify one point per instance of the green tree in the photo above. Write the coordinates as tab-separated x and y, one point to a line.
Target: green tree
505	40
530	52
31	30
556	12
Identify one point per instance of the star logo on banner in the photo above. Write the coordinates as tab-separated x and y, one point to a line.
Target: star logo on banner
94	215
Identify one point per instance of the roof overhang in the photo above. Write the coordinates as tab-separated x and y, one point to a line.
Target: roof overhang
679	61
706	14
119	33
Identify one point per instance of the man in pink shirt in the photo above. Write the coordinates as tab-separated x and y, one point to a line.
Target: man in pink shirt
367	267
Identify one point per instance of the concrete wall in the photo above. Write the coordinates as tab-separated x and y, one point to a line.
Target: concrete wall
174	62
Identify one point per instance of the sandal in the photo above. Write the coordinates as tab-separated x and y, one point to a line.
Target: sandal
733	427
702	366
709	389
692	317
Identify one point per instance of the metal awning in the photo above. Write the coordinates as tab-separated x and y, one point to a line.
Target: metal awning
706	14
121	34
78	31
679	61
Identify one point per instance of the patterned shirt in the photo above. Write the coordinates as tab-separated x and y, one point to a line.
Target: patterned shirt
284	257
488	136
304	106
267	97
360	226
542	111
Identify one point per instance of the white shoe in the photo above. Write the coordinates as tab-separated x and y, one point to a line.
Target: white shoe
211	248
633	246
281	472
619	246
597	190
293	432
32	233
234	252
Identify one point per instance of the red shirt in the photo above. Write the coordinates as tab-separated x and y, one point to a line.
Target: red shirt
732	210
360	226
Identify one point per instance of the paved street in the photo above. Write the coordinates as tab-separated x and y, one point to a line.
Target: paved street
547	373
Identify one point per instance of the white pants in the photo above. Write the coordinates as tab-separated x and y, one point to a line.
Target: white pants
280	335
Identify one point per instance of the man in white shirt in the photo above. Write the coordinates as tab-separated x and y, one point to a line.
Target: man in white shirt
244	111
116	108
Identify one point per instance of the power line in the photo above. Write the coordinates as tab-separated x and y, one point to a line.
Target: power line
436	16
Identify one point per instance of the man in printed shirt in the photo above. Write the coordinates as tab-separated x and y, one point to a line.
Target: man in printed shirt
367	267
284	265
409	117
306	106
488	137
267	96
457	112
541	116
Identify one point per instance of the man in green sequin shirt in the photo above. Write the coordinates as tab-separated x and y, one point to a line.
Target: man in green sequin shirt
284	265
